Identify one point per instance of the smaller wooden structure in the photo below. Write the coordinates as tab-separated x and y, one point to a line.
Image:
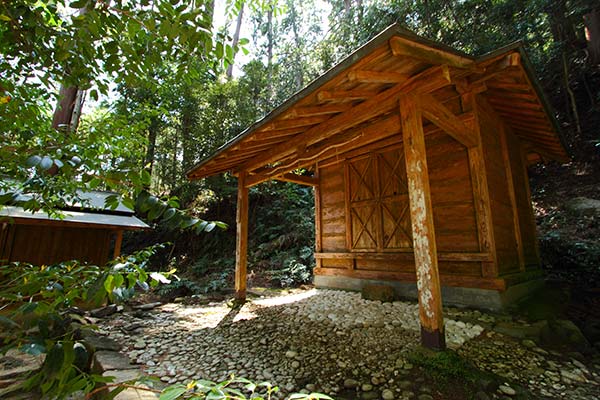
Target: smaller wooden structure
418	155
86	232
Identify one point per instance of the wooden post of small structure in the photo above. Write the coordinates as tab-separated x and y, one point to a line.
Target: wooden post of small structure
118	242
421	212
241	244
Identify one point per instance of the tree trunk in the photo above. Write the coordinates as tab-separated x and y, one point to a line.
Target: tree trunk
236	39
592	35
270	53
150	151
187	125
299	75
564	35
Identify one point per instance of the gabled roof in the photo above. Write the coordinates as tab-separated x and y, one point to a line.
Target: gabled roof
346	99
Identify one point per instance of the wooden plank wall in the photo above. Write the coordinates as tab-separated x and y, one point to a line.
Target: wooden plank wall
46	245
333	214
498	186
452	199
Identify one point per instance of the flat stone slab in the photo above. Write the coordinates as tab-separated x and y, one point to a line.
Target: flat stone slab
94	342
110	360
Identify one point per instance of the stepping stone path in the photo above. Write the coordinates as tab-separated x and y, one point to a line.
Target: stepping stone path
334	342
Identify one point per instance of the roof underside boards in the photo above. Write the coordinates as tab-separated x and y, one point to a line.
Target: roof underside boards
361	94
72	218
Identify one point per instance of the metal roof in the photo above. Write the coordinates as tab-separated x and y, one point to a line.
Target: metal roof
98	220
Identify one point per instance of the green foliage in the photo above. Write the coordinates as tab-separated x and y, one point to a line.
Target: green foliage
37	312
445	366
231	389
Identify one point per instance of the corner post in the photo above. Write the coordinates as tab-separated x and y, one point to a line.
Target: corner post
118	242
241	244
421	212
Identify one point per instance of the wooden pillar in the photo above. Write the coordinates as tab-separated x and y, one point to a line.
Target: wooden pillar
241	244
421	212
118	242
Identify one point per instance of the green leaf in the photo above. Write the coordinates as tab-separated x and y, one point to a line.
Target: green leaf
54	361
169	214
173	392
108	284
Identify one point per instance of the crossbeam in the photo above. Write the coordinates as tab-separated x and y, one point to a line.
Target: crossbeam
408	48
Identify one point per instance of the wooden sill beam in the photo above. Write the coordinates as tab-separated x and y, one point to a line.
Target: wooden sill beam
407	48
408	255
377	77
441	116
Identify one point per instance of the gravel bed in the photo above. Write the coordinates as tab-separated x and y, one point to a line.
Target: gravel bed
333	342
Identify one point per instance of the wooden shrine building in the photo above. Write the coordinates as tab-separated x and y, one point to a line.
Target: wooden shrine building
86	231
418	155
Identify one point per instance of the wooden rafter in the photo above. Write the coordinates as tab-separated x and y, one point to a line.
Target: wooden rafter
309	111
345	95
377	76
298	122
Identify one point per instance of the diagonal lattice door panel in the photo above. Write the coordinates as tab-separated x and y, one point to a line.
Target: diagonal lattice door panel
392	171
364	227
395	214
397	231
378	209
362	179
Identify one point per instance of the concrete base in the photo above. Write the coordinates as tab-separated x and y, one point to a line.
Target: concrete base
451	296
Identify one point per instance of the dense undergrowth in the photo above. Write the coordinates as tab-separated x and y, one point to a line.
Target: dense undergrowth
280	234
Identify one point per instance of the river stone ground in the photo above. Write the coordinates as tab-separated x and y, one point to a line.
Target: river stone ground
335	342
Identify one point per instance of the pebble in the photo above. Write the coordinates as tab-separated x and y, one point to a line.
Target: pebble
507	390
387	394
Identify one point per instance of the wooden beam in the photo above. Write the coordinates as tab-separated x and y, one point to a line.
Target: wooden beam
118	242
404	47
377	76
441	116
299	179
406	255
421	212
298	122
345	95
241	244
254	180
426	81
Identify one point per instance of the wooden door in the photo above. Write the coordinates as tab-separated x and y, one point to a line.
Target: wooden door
379	217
